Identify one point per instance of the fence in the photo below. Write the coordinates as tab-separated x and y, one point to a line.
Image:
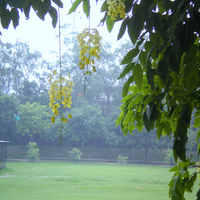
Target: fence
3	153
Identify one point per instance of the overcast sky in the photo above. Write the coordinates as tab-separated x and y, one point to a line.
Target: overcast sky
41	35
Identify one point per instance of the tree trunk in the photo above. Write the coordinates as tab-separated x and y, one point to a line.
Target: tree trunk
47	142
94	144
82	144
146	155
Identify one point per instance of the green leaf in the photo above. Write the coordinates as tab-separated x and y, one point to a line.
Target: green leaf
27	10
119	119
86	7
14	3
197	122
174	169
197	113
54	16
35	5
147	122
198	195
131	32
167	128
131	127
74	6
126	70
126	86
149	99
109	23
163	68
5	19
139	126
104	6
24	3
58	3
198	135
15	17
150	78
122	29
129	5
42	10
198	149
160	130
128	117
192	80
175	190
143	58
138	75
136	25
129	56
135	101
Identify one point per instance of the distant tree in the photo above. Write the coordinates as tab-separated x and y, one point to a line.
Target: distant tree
34	119
87	123
113	136
10	74
192	139
169	159
145	140
8	122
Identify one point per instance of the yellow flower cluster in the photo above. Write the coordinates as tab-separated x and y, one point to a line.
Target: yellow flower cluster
60	94
89	42
115	8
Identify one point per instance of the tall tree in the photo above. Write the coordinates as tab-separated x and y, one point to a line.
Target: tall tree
87	123
8	128
10	74
34	120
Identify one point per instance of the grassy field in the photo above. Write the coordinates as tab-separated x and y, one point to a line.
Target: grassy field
68	181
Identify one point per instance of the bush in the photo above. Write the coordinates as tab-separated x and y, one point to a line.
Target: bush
121	159
75	154
169	159
33	151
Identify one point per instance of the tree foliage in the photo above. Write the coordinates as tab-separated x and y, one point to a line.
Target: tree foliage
9	10
162	90
8	107
34	119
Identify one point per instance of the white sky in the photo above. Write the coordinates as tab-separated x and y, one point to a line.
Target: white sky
42	36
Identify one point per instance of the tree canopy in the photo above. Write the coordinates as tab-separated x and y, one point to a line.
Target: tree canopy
162	70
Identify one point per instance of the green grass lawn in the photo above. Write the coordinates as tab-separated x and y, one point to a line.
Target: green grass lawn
62	180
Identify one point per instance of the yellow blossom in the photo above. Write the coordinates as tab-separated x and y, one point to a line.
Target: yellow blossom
60	94
115	8
89	43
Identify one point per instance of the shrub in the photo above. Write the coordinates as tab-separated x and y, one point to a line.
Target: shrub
75	154
32	152
169	159
121	159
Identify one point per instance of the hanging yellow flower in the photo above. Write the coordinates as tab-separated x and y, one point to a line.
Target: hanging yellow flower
89	43
60	94
116	8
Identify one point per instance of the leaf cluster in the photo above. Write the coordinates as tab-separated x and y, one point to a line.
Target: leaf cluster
9	10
